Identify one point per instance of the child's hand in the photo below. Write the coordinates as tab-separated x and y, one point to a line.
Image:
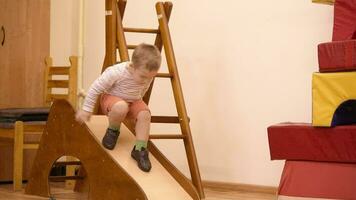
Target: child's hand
82	116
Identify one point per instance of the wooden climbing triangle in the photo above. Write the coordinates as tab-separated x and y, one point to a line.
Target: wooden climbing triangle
64	136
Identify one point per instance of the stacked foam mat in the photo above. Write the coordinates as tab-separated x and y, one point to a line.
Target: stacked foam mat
321	156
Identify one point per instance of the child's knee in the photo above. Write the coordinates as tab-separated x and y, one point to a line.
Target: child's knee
120	108
144	115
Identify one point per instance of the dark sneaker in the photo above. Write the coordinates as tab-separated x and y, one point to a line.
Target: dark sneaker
142	159
110	138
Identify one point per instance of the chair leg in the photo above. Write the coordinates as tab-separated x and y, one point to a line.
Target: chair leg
70	171
18	155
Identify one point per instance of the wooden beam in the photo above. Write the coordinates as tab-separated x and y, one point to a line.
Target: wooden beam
159	45
121	41
164	75
65	163
59	70
30	146
129	46
178	97
141	30
64	178
164	119
58	84
161	136
110	33
18	155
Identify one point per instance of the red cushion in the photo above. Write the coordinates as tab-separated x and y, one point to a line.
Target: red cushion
344	20
337	56
318	180
301	141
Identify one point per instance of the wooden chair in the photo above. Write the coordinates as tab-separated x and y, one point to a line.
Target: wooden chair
63	77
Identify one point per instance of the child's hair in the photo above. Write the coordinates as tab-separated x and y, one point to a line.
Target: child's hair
148	56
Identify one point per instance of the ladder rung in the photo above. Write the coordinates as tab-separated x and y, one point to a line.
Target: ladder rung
131	46
159	136
58	84
63	178
65	163
166	119
141	30
30	146
57	96
58	70
35	128
164	75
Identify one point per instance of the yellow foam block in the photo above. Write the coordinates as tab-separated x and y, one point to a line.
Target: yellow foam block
329	2
329	91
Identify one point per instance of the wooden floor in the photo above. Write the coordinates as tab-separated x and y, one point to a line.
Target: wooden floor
59	193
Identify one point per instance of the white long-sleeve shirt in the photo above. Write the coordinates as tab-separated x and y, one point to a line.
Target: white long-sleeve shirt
116	80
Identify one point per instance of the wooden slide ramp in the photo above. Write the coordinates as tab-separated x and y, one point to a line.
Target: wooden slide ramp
158	183
111	174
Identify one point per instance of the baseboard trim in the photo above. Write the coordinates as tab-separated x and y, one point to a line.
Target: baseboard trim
239	187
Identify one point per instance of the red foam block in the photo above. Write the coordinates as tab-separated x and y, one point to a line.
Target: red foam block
344	20
301	141
318	180
337	56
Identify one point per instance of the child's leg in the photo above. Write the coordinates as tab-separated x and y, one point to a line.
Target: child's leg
141	113
116	109
117	114
143	122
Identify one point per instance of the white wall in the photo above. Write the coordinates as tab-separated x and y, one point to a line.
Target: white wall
243	65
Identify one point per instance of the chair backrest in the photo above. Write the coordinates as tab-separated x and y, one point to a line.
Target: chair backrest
61	81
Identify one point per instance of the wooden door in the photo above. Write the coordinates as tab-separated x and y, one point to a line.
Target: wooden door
26	27
3	43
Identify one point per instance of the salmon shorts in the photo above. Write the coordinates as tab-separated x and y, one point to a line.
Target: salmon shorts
107	101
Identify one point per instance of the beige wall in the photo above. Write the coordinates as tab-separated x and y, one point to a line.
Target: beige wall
244	66
64	30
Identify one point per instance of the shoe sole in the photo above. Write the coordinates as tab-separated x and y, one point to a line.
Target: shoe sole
145	170
108	147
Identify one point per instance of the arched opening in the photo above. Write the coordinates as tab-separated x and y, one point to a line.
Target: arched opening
67	179
345	113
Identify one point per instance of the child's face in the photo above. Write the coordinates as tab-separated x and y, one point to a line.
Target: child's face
142	75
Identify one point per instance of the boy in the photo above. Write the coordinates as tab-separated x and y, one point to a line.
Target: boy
122	87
